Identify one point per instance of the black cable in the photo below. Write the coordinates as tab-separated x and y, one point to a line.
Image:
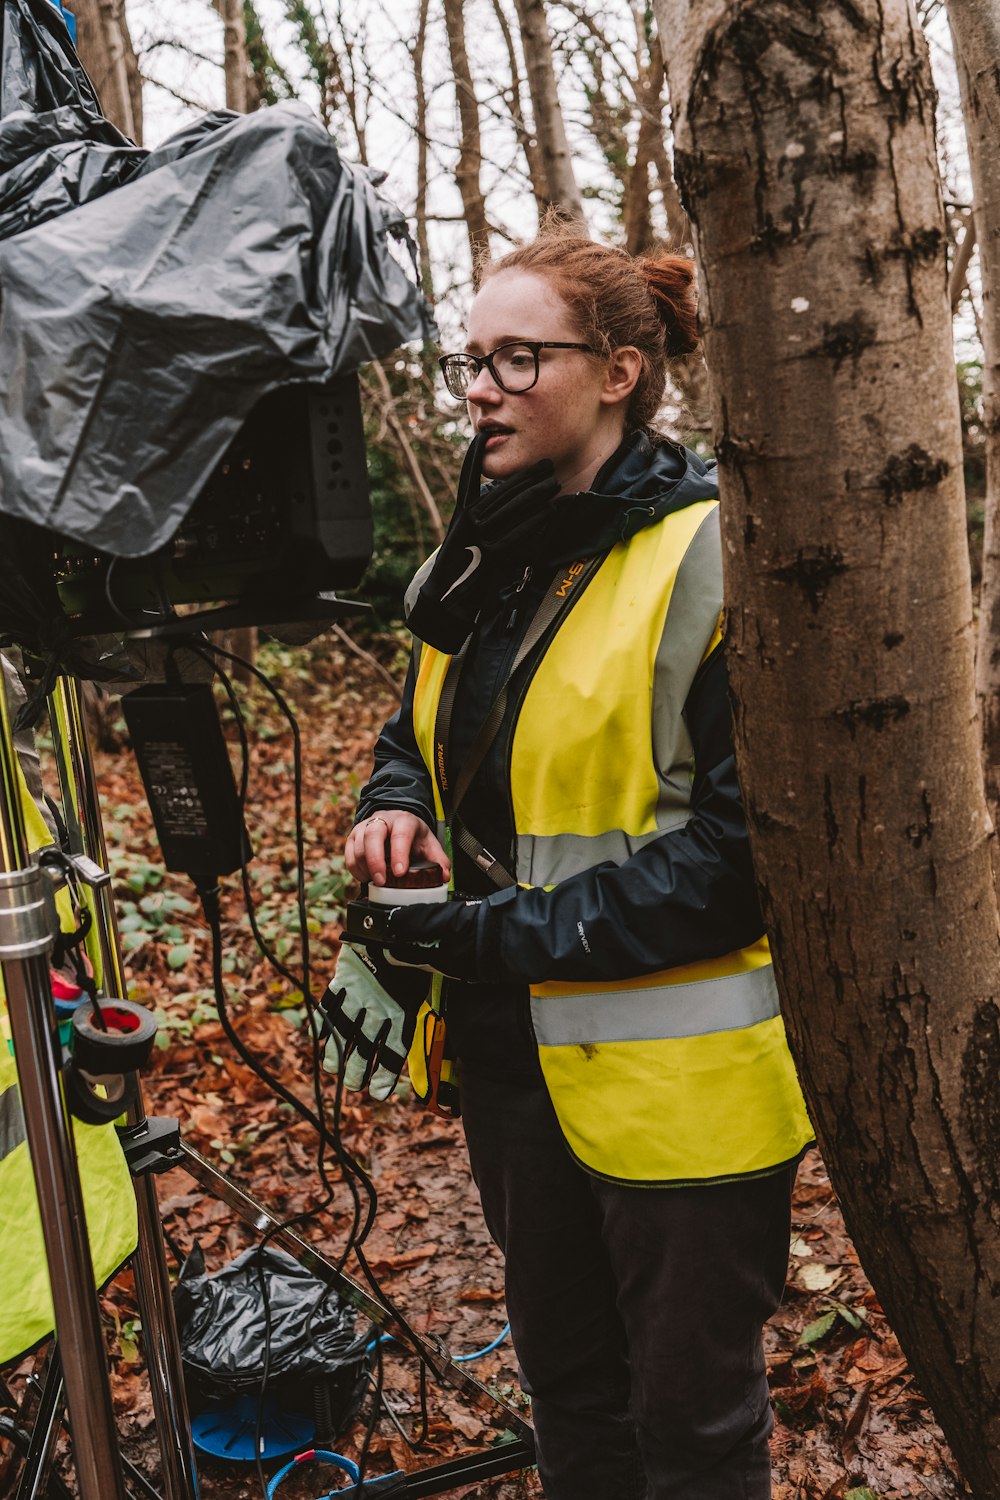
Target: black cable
350	1166
125	619
352	1171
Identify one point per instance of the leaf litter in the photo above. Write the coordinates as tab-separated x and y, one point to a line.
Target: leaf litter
849	1422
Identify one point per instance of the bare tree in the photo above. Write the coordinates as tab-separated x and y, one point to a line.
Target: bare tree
975	28
105	49
550	128
806	158
525	136
470	150
235	58
420	127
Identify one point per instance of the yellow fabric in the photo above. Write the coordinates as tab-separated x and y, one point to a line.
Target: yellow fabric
25	1299
756	956
734	1104
562	778
26	1314
662	1109
431	674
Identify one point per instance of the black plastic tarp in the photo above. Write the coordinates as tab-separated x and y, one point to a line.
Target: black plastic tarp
222	1329
148	298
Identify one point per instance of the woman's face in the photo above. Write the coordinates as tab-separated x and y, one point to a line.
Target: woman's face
567	415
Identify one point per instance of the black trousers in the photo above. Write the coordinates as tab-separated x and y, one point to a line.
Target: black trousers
636	1313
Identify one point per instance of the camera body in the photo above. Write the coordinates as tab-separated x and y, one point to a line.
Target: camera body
284	516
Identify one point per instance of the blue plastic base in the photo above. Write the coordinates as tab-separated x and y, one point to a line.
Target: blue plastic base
227	1431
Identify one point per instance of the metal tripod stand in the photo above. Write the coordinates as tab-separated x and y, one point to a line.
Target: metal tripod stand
27	926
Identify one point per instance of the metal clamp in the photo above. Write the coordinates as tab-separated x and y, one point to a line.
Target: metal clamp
153	1146
28	921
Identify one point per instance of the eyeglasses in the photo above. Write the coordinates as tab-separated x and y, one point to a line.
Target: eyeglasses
514	367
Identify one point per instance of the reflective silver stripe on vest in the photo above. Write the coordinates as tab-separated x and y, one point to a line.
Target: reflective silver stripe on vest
545	859
11	1121
694	608
668	1010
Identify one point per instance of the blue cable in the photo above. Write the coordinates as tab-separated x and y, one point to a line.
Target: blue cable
322	1454
458	1359
461	1359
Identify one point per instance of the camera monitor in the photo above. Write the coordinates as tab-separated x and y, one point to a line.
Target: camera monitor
283	519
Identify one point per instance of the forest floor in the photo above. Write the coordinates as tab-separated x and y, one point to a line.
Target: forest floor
850	1423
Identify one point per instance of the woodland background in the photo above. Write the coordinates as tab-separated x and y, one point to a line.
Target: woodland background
485	113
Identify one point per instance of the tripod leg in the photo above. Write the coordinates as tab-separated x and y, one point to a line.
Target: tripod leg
33	1483
152	1280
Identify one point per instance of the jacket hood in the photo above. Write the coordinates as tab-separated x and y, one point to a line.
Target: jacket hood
644	480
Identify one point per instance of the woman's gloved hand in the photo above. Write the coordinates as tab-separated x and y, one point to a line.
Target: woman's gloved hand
506	522
440	937
371	1006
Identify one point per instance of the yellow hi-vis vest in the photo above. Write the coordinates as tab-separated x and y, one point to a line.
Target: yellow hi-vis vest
26	1315
681	1076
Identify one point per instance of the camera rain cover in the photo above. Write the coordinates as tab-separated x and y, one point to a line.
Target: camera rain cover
148	298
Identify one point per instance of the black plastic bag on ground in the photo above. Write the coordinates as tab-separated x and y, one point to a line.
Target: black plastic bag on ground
317	1356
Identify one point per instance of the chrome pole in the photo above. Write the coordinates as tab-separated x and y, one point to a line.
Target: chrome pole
149	1264
27	928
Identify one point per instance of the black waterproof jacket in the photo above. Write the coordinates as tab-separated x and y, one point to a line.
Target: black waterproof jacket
685	896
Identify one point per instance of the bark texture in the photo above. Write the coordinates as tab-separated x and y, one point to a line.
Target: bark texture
525	137
469	152
236	60
550	129
806	160
975	29
420	204
105	49
636	212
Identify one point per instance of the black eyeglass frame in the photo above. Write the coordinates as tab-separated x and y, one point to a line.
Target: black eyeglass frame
446	361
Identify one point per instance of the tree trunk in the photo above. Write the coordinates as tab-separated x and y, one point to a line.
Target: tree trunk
649	100
975	29
959	273
550	130
235	59
528	142
469	156
390	417
806	159
420	206
105	49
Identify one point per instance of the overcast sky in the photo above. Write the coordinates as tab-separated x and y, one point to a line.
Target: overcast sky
180	44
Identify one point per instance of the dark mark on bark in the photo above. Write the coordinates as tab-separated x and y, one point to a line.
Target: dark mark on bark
764	657
813	571
859	164
771	236
872	713
893	638
906	473
846	340
917	832
830	817
749	530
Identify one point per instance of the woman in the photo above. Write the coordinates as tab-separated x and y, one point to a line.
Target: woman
631	1110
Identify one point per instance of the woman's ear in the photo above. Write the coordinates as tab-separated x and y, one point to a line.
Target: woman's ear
623	371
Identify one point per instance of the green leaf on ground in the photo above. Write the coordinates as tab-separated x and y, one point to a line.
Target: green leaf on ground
819	1329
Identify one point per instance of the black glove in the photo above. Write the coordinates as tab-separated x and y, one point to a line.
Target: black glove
441	937
509	520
